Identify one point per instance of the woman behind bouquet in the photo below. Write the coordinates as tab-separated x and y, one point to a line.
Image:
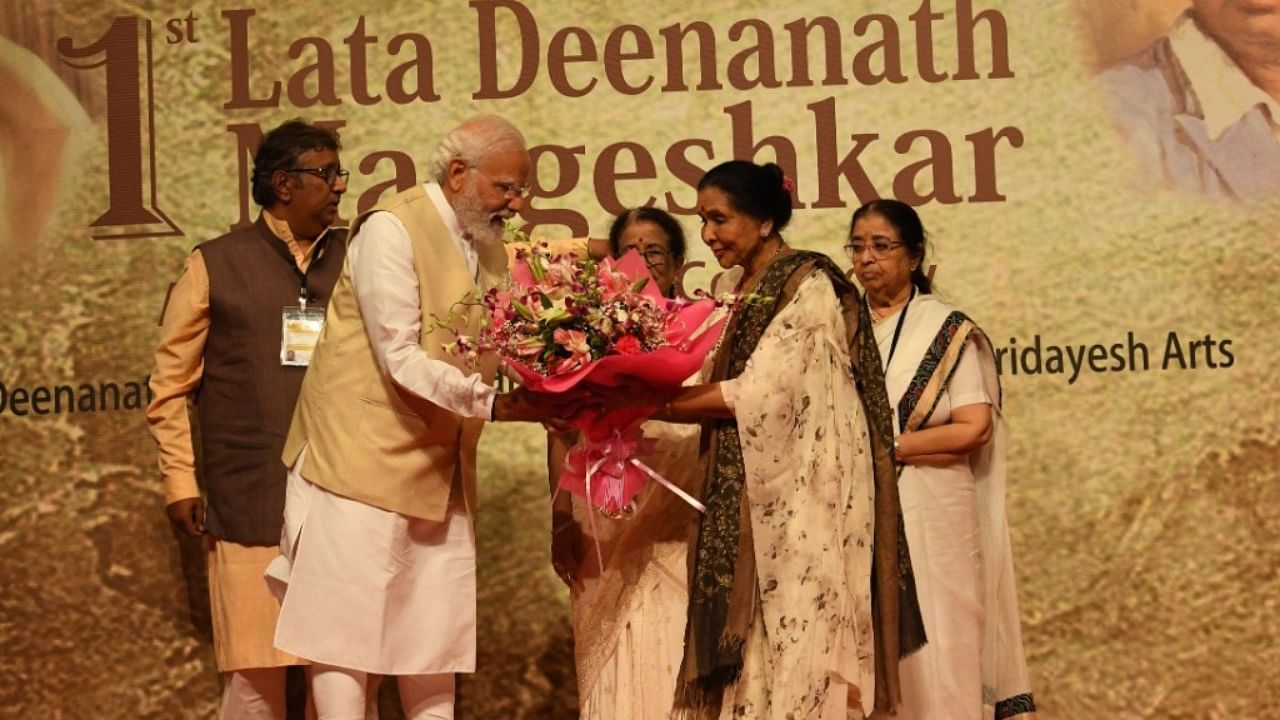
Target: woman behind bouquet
628	621
940	374
779	615
657	237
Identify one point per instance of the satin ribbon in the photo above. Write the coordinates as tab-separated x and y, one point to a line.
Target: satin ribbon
616	455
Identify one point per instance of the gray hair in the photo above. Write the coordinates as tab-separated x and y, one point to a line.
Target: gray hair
475	140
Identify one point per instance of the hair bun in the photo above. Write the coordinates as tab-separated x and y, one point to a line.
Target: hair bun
759	190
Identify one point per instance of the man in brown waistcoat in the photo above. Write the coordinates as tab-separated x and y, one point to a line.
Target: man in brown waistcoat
236	336
377	563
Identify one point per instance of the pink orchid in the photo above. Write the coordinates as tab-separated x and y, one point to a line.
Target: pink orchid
529	346
612	283
560	366
500	310
575	341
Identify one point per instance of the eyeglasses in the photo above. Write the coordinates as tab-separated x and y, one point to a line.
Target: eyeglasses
878	248
510	190
654	255
327	174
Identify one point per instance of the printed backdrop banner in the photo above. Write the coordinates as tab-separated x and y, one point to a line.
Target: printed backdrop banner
1130	300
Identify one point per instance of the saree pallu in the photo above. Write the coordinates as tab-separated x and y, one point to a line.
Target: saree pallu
787	541
975	666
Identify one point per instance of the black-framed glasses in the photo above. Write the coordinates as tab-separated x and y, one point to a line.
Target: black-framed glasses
510	190
878	248
328	174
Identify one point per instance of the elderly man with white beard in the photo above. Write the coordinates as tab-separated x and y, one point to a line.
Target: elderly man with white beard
377	567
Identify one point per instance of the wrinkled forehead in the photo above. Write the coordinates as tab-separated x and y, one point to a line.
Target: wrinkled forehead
712	197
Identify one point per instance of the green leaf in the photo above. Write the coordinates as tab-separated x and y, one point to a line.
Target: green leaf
523	310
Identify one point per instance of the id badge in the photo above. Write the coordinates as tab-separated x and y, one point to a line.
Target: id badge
299	331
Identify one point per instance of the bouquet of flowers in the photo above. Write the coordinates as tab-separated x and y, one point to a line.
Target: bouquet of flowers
565	321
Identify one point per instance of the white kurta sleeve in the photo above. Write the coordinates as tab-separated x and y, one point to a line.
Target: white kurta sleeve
967	386
386	289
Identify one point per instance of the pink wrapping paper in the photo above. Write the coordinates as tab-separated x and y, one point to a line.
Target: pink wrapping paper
605	459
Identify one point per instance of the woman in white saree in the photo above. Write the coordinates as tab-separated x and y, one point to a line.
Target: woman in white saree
779	619
941	378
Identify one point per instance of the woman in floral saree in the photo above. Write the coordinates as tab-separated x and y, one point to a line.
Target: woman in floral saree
798	484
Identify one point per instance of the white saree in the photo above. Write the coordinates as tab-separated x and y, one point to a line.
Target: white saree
973	666
628	622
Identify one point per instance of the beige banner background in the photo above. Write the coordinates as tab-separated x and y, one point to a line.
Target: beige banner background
1143	503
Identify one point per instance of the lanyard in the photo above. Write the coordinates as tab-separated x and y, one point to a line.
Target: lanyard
280	249
897	330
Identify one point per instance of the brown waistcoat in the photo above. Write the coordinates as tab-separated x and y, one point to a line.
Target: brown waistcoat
246	397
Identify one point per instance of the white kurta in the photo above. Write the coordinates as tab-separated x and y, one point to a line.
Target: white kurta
373	590
362	587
